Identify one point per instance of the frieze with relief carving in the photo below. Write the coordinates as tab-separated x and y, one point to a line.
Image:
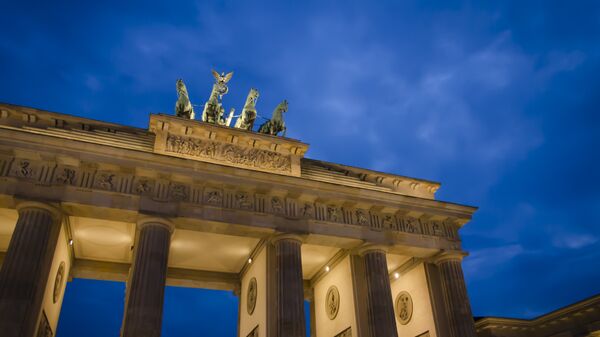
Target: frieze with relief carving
144	186
178	192
243	200
23	168
89	177
333	213
213	197
277	205
362	217
229	153
307	210
105	181
65	176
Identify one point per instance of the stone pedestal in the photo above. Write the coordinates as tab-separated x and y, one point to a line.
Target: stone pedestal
146	285
25	269
288	292
458	308
380	305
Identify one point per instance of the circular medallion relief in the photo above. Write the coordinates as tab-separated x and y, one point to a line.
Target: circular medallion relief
58	282
332	302
251	297
404	307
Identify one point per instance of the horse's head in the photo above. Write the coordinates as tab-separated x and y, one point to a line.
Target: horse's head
252	97
283	106
181	89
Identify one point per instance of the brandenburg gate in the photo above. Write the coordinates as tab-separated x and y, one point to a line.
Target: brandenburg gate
198	204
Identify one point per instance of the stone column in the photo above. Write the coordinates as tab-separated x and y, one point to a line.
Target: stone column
146	284
458	307
288	289
380	305
25	269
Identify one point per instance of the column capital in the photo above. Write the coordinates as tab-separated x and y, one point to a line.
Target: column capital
56	213
449	255
287	236
145	221
370	248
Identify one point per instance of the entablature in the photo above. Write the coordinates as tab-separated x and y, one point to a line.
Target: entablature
36	162
198	141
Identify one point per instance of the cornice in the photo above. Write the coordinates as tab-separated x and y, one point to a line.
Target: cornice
178	166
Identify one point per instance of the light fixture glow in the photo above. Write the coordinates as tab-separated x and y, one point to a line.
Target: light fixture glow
70	242
249	260
396	275
327	269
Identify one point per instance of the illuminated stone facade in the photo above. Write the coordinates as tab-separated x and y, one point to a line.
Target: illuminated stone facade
190	204
581	319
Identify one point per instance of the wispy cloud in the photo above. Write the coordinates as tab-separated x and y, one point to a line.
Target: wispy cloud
485	263
574	241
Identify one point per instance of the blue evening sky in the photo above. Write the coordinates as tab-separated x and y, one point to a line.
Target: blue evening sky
498	100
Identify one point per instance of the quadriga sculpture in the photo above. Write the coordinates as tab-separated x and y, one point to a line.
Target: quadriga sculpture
183	106
213	109
275	124
248	116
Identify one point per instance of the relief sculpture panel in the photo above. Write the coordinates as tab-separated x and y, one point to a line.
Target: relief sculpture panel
213	196
229	154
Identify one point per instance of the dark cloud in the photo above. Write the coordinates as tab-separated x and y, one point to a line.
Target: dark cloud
498	101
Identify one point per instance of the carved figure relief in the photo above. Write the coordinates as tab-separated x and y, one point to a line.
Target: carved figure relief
277	205
243	201
333	213
411	225
307	211
214	197
361	217
229	153
404	307
436	228
332	302
24	169
66	176
387	221
105	181
58	282
251	296
178	192
144	186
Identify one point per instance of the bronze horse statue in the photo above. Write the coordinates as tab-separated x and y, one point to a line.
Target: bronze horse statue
276	124
183	106
248	116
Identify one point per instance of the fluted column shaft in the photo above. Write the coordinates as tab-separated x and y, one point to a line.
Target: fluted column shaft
458	307
24	273
145	291
289	292
380	305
